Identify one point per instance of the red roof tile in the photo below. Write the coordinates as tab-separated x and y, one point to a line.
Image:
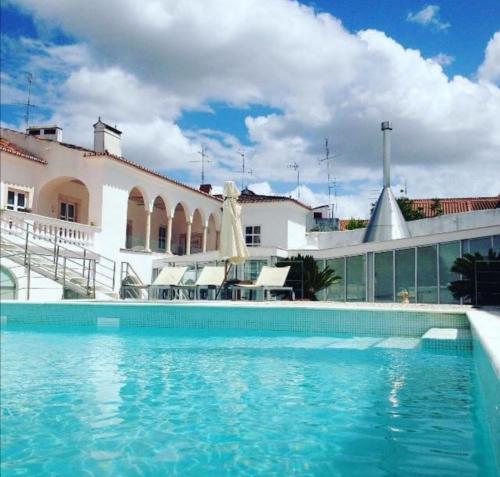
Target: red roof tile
343	223
14	149
454	205
249	197
148	170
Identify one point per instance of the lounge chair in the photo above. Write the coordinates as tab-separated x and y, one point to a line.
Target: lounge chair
167	280
210	277
269	279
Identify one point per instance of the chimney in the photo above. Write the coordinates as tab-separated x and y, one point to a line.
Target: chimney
387	221
54	133
386	127
107	139
207	188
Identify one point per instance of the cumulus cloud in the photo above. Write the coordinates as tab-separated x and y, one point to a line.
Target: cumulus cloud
443	59
490	69
142	66
428	16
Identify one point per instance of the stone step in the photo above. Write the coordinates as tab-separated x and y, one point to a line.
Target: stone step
447	338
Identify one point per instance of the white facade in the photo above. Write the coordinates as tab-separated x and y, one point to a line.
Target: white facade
116	206
94	203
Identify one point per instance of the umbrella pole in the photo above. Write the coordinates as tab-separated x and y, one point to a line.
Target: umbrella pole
227	268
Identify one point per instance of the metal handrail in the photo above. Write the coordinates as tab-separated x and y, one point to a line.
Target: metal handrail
27	256
108	279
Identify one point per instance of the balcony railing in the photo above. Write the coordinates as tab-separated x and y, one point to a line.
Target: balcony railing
49	228
325	224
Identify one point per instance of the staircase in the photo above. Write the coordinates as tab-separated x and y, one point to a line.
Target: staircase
76	268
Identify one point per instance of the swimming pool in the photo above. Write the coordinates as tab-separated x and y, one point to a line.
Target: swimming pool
90	396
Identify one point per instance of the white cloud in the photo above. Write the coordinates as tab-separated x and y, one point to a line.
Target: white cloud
490	69
443	59
428	16
141	66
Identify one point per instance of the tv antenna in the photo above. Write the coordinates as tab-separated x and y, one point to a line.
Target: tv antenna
404	190
244	171
28	102
204	159
332	183
296	168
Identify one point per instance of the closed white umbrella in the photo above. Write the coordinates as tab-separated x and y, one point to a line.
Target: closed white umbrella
232	245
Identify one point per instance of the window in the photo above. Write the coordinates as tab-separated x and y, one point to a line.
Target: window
16	200
34	132
67	211
252	235
336	292
448	253
405	273
427	279
384	276
355	278
162	237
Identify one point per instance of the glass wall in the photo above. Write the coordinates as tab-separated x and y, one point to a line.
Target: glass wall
496	243
405	273
337	291
384	276
355	278
252	269
481	245
427	274
448	252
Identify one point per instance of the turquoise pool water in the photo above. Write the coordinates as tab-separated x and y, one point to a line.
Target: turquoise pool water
81	401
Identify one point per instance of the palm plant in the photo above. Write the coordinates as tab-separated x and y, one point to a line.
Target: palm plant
467	287
314	280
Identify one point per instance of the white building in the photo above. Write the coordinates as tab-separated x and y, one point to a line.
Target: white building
81	215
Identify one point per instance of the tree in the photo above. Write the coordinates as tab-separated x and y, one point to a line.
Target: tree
315	279
407	209
355	224
436	207
473	266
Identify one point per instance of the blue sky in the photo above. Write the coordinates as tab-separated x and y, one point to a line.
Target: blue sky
274	90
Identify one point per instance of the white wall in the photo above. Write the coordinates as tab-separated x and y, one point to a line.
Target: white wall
41	288
283	224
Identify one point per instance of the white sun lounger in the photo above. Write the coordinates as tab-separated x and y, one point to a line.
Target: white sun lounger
210	277
269	279
167	279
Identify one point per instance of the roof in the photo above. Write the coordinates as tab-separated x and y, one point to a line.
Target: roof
454	205
136	165
107	126
90	153
15	150
250	197
450	205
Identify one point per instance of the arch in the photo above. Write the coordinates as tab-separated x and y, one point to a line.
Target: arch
65	198
159	224
137	222
8	284
213	228
145	196
197	231
179	228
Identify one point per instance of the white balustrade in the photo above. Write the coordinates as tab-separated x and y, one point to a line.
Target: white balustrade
48	228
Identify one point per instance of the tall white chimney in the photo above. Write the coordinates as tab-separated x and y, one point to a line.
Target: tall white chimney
386	128
387	221
107	139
